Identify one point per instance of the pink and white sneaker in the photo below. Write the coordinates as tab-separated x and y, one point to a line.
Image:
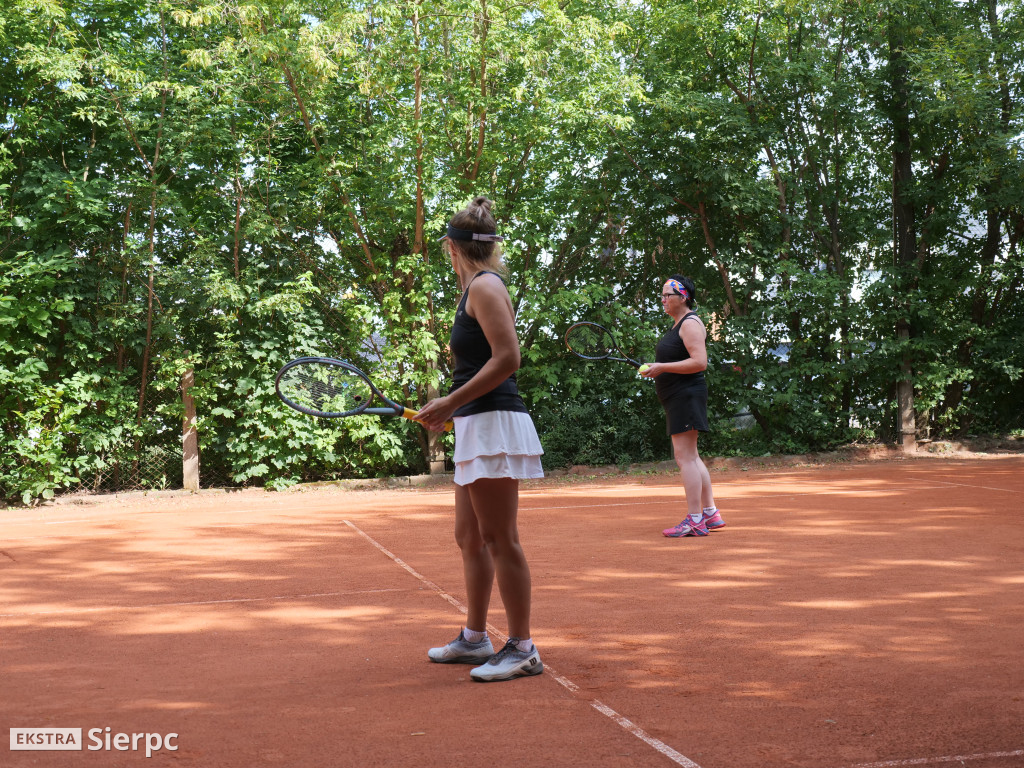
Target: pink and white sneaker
686	528
714	521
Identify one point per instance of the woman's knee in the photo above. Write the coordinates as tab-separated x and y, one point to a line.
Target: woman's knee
686	457
684	447
500	543
469	539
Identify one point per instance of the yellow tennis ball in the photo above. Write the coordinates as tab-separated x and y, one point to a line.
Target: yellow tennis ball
644	367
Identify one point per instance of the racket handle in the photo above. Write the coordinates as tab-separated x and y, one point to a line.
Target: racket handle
409	413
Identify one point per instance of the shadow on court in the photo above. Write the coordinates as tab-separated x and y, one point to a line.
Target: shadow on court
847	615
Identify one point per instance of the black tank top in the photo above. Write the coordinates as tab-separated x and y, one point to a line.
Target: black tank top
671	349
471	351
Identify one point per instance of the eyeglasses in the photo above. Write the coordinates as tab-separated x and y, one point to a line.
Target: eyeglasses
666	295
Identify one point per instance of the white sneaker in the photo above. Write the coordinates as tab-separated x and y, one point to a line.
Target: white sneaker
509	663
461	651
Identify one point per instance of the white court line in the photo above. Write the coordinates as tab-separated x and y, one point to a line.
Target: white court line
652	503
99	534
289	510
660	746
983	487
762	496
293	515
938	760
109	608
409	568
677	484
108	515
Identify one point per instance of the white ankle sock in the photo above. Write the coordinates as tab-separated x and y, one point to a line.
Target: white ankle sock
710	511
526	646
472	636
696	518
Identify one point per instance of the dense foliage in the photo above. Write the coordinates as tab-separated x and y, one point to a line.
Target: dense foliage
222	187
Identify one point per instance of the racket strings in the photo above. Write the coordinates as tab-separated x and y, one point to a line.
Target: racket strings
326	388
590	341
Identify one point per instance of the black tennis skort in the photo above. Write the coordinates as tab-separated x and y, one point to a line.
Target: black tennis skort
686	408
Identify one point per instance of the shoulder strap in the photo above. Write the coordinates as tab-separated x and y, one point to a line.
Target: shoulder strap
678	326
465	293
485	272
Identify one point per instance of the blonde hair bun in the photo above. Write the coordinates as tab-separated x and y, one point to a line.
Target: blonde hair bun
484	204
477	217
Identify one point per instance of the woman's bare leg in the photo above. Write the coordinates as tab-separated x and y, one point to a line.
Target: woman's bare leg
495	502
477	564
696	479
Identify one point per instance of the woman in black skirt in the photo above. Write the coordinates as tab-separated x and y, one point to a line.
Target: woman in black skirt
681	360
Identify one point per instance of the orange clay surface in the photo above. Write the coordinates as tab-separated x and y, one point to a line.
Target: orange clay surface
862	614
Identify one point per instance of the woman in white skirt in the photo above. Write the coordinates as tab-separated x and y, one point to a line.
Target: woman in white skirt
496	446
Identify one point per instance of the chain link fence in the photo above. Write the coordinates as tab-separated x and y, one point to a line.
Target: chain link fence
151	461
153	467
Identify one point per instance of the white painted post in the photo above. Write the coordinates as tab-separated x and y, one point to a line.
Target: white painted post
189	436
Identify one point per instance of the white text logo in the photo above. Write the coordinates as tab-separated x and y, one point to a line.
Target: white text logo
51	739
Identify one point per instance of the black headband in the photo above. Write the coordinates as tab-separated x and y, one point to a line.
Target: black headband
466	234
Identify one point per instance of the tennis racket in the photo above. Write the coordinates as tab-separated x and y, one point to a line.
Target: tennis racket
595	342
333	389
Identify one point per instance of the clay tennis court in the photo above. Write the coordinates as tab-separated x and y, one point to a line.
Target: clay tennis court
860	614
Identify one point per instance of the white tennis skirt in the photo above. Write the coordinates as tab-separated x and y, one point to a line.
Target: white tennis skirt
496	444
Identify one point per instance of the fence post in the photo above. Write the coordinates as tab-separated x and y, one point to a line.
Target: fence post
435	450
189	436
436	453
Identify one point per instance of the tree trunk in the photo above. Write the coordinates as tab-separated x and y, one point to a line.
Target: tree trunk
149	306
904	231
